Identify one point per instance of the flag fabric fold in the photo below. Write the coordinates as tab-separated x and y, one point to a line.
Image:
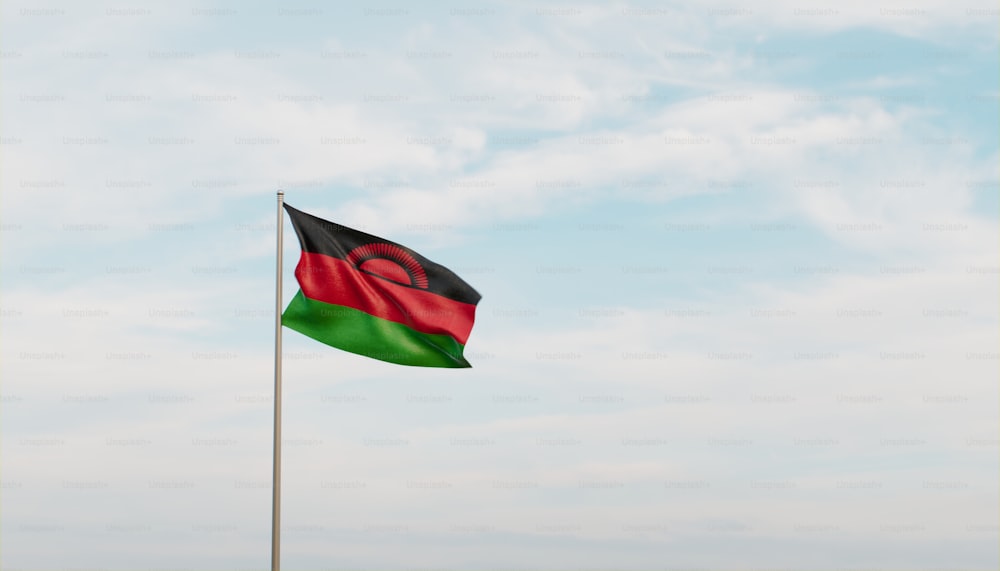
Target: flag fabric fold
370	296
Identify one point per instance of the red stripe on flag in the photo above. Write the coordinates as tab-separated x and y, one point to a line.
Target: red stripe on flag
335	281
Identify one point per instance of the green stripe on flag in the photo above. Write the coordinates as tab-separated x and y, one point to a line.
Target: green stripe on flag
358	332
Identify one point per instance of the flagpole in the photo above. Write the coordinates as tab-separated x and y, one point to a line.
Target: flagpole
276	475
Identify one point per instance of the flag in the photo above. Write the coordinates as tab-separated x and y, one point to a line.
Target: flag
376	298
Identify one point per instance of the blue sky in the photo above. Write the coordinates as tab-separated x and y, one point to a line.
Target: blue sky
739	270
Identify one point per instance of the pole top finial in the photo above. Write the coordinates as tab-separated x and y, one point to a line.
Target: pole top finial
281	193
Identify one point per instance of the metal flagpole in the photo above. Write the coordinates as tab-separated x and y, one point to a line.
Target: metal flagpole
276	475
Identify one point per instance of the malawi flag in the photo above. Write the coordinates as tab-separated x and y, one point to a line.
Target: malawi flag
376	298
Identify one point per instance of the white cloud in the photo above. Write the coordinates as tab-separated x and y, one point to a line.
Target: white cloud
756	409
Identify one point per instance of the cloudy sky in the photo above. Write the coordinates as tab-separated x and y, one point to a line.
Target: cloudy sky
739	267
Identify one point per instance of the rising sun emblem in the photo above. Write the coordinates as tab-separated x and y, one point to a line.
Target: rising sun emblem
388	262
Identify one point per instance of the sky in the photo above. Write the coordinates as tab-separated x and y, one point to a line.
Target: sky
739	267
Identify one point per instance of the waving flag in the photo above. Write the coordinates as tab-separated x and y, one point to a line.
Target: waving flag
376	298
